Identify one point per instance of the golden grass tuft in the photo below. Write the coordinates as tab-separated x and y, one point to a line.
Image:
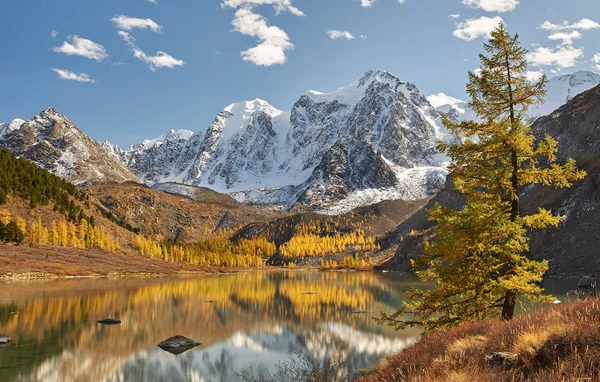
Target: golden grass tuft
467	343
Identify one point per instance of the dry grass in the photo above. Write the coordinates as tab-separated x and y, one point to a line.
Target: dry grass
561	343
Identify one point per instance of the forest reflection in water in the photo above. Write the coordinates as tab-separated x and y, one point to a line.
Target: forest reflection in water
250	320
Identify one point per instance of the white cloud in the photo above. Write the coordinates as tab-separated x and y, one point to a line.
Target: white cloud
279	5
53	33
273	41
492	5
153	2
441	99
566	37
72	76
583	24
369	3
596	61
82	47
335	34
454	16
534	75
128	23
563	56
160	60
472	29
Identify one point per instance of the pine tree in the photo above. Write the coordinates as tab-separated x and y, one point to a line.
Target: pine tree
479	258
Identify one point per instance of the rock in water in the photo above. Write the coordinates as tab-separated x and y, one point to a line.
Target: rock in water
178	344
4	339
109	321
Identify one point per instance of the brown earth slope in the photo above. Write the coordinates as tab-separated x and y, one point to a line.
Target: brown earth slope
163	215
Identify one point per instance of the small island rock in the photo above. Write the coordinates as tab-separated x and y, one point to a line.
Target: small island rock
176	342
109	321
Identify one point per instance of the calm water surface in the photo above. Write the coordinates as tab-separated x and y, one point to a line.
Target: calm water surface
256	319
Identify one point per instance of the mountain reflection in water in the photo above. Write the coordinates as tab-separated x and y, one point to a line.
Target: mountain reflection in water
255	320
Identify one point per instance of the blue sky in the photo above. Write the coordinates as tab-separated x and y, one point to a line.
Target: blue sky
104	72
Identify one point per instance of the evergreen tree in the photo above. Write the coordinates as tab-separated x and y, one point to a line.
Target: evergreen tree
479	258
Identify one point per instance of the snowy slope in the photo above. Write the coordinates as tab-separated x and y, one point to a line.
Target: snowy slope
8	128
332	151
559	91
454	108
562	89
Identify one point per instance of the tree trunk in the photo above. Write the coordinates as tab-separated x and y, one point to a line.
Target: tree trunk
508	307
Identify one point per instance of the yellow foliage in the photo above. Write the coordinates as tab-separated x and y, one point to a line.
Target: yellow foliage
5	216
63	234
218	251
313	241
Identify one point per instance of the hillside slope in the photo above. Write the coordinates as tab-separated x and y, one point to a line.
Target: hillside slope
556	344
163	215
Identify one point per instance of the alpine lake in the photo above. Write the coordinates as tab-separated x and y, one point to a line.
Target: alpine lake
250	325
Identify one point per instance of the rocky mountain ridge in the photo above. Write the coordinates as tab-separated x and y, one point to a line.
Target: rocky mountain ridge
369	141
54	143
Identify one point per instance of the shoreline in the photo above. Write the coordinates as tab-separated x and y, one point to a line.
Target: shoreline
27	263
19	262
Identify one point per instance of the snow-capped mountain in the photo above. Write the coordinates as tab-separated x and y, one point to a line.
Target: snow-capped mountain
562	89
8	128
453	108
53	142
371	140
559	91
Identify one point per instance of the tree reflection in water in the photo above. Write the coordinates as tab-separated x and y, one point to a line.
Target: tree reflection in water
256	320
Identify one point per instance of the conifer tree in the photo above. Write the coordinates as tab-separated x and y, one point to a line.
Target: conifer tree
479	258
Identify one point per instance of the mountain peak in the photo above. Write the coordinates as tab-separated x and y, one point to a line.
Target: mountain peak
7	128
53	142
171	135
355	91
247	108
49	112
380	76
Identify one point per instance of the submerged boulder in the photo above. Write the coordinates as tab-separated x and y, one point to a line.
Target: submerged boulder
178	344
4	339
109	321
